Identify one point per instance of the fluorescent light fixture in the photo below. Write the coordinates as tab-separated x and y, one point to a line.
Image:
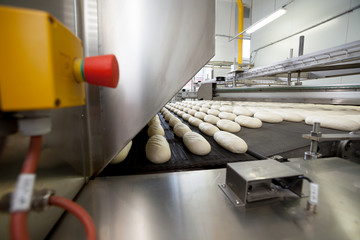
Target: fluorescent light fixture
266	20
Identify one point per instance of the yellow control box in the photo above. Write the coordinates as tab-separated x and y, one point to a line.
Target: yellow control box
37	54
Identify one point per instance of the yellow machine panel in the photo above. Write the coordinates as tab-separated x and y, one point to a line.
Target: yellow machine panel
36	62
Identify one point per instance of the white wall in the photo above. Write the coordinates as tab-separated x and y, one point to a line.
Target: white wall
302	14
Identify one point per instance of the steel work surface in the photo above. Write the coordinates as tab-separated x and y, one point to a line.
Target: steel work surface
190	205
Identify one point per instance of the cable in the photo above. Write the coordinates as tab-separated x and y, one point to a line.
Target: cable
79	212
18	224
280	183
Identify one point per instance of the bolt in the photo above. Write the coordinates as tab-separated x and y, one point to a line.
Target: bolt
237	202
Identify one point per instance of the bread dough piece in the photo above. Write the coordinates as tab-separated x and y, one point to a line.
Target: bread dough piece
180	113
334	122
242	111
230	142
168	116
289	115
206	105
180	129
353	117
155	119
123	154
196	108
269	117
226	108
204	109
227	115
208	128
213	112
211	119
227	125
200	115
157	149
249	122
192	112
155	129
186	116
174	120
216	107
195	121
196	143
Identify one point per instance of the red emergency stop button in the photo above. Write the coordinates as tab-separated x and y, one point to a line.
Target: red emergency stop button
101	70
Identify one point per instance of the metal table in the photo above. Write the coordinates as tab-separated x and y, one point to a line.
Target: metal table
190	205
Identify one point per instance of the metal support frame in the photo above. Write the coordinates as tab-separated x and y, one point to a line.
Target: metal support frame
349	52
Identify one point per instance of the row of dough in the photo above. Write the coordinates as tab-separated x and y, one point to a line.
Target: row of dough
273	104
196	143
346	120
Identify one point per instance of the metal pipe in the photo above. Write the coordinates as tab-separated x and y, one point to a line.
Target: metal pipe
240	27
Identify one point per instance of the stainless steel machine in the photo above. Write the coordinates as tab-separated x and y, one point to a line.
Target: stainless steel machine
160	45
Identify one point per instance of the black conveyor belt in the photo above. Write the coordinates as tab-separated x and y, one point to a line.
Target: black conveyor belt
181	157
271	139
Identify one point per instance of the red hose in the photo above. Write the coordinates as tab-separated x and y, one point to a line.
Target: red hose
79	212
18	224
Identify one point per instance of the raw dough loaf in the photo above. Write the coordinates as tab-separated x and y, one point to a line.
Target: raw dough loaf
206	105
186	116
168	116
249	122
180	129
157	149
192	112
208	129
354	117
227	115
213	112
196	108
269	117
242	111
226	108
123	154
216	107
200	115
289	115
155	129
228	125
196	143
155	119
230	142
338	123
195	121
180	113
204	109
211	119
173	121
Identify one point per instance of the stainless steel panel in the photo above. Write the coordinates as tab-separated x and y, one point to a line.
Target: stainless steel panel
62	159
159	45
190	205
348	94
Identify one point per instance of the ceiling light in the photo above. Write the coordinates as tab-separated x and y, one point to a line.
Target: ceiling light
265	20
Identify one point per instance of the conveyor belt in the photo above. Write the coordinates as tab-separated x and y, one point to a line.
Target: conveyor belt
278	138
181	157
271	139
